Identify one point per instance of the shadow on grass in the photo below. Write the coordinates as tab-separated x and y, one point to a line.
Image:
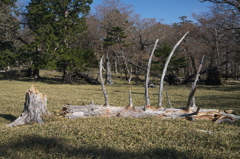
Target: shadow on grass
21	77
48	80
227	87
5	76
50	147
8	117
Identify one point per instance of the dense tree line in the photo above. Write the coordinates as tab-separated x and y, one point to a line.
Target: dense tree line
66	36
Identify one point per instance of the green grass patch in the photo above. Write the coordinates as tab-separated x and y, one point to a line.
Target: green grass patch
101	137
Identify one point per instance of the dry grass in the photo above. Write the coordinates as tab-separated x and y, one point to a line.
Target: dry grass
99	137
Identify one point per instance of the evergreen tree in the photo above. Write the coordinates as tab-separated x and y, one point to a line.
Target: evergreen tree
8	23
56	26
115	35
7	54
162	54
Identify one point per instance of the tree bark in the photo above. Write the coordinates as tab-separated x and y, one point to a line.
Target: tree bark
226	66
191	98
128	71
147	75
35	107
165	70
36	73
108	71
71	112
130	100
116	66
33	73
193	64
89	79
102	83
67	78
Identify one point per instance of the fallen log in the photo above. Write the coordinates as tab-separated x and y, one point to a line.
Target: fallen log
87	78
217	116
35	107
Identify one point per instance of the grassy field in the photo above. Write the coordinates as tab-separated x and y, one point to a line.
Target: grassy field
101	137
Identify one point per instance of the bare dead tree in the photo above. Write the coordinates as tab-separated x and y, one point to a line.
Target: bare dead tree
147	75
128	70
191	99
234	3
130	99
165	70
168	99
102	83
108	70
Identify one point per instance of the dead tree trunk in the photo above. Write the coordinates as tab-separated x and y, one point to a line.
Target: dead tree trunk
165	70
108	71
67	77
35	107
193	63
147	75
102	83
128	70
191	98
89	79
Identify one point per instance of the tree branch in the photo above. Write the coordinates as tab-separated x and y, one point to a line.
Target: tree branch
165	70
191	99
147	75
102	83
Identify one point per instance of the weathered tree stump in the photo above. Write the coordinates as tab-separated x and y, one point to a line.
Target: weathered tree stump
35	107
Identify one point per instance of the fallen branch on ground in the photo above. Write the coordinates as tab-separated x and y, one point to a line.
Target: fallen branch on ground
71	112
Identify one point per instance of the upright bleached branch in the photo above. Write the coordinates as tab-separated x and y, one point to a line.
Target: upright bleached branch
147	75
191	98
165	70
168	99
102	83
130	99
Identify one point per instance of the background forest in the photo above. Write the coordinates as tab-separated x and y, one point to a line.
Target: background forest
64	36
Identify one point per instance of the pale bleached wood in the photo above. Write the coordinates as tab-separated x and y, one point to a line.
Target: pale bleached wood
130	99
71	112
168	99
102	83
35	107
147	75
165	70
191	98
